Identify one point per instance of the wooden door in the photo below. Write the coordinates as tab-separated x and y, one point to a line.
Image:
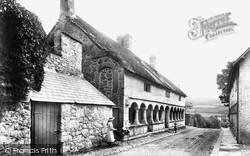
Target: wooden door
44	130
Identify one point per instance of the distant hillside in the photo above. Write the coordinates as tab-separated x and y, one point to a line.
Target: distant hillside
206	107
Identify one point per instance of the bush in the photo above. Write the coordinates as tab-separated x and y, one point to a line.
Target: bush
199	121
213	122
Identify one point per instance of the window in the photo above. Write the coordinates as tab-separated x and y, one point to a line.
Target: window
167	93
146	87
179	98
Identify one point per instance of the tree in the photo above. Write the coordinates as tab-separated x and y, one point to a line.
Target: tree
23	43
222	82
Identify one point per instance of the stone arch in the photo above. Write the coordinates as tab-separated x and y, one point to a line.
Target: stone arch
161	114
167	116
174	113
171	114
106	65
178	114
150	113
133	118
143	114
155	113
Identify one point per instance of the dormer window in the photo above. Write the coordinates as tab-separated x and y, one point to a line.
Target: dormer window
179	97
167	93
146	87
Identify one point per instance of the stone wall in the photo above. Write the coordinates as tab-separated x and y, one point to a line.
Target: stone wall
106	75
244	100
15	124
69	58
83	126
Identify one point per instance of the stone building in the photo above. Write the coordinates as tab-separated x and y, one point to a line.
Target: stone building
239	91
145	100
67	115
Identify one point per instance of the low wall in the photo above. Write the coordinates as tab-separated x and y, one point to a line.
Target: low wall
156	126
138	130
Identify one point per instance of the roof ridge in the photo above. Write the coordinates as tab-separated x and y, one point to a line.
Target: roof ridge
126	58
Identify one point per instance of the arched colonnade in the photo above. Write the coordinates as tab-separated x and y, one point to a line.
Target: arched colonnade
141	113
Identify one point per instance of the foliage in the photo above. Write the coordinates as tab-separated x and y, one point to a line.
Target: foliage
23	40
190	120
197	120
201	121
213	122
222	82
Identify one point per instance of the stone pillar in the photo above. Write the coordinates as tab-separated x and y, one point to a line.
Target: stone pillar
162	116
144	120
136	121
157	116
151	116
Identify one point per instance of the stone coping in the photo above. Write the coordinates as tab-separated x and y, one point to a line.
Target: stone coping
154	123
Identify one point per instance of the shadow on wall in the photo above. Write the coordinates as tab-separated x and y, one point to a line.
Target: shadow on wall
196	120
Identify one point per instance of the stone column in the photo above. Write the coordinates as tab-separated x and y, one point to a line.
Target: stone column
157	116
136	121
151	116
144	120
162	116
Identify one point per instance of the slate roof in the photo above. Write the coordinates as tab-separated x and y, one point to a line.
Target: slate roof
125	57
63	88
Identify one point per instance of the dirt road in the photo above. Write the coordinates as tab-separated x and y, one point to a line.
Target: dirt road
196	142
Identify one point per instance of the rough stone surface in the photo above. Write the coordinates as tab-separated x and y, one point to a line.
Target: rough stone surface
83	126
70	61
106	75
15	124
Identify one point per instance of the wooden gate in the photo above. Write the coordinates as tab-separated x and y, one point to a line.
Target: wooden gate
44	131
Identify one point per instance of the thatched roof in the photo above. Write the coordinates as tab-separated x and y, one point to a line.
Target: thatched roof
123	56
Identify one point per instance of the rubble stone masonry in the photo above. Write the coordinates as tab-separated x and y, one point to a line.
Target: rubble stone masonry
70	60
83	126
15	124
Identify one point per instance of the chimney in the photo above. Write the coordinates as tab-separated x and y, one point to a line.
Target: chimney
67	7
152	61
119	39
125	41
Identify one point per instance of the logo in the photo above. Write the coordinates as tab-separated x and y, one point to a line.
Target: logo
210	28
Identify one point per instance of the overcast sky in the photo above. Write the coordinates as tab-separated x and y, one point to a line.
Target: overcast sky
160	28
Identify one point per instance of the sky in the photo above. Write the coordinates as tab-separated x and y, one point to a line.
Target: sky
160	28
